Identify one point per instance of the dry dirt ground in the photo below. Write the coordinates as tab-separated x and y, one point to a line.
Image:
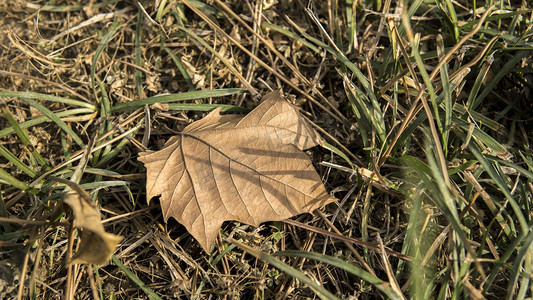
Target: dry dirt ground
89	59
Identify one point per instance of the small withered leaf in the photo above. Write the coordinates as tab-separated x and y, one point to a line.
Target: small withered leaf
250	169
96	245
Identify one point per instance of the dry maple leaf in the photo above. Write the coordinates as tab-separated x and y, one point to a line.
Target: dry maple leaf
225	167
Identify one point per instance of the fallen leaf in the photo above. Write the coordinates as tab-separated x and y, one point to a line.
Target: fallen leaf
226	167
96	245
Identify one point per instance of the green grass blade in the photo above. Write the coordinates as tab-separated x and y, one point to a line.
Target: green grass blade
205	8
25	139
517	266
48	98
290	35
207	107
319	290
446	90
69	8
181	68
118	148
479	134
160	10
65	147
452	18
509	251
494	171
483	120
506	69
3	214
52	116
524	284
378	283
17	162
413	8
42	119
99	281
194	95
8	179
103	184
427	81
101	172
360	113
114	152
23	136
105	40
369	118
135	279
351	24
528	174
416	165
494	17
482	74
414	239
105	111
369	93
517	42
446	198
335	150
433	184
138	56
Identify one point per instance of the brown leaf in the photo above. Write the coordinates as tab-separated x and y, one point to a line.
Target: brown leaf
97	245
224	167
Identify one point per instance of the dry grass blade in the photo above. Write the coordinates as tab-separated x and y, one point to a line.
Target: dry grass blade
390	273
